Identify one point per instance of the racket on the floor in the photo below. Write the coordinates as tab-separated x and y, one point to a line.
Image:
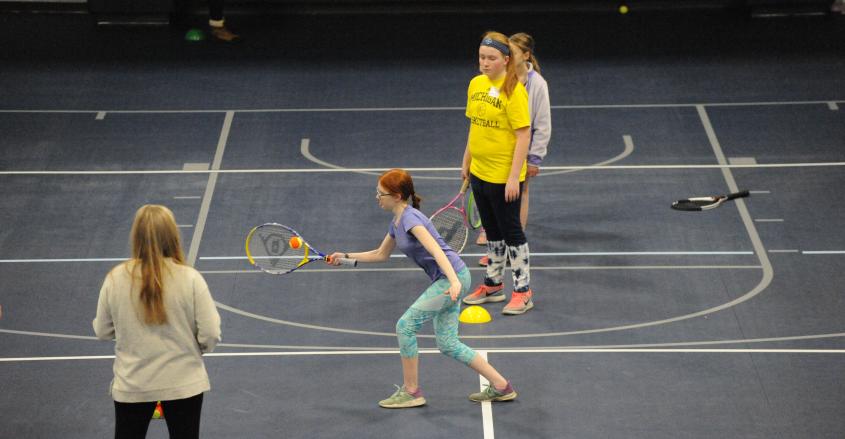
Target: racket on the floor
472	212
706	203
277	249
450	221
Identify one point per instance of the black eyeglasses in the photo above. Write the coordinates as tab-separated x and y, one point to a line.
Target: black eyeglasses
380	194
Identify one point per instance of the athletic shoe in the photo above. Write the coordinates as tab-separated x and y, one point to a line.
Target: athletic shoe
484	294
402	399
222	34
490	394
520	302
482	238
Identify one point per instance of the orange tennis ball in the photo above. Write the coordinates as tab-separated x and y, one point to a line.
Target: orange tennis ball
158	413
295	242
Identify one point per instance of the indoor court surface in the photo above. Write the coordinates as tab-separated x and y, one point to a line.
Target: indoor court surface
648	322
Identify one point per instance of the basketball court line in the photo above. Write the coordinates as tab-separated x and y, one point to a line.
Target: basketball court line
305	150
435	351
209	189
826	103
468	255
669	167
480	269
760	250
370	348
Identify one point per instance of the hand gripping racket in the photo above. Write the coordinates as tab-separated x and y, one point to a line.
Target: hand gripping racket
278	249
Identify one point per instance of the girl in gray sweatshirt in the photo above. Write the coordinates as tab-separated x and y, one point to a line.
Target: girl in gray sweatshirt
162	318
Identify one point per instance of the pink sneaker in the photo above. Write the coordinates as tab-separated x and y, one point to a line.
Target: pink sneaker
484	294
482	238
520	302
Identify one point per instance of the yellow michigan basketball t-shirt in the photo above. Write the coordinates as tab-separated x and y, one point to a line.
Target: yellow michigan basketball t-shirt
493	118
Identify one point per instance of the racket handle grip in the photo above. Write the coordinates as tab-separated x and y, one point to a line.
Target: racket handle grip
741	194
348	261
464	186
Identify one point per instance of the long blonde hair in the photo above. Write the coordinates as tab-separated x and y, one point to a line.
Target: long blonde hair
511	75
525	43
154	236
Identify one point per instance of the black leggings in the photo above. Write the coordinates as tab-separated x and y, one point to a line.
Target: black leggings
182	416
215	9
499	217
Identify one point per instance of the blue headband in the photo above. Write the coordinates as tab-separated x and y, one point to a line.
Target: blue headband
501	47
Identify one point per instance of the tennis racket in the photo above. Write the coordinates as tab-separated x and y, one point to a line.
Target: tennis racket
450	221
706	203
277	249
472	212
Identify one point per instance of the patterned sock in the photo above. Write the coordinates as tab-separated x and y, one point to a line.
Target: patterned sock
496	265
520	267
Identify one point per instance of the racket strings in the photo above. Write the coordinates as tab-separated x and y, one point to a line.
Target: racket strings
270	249
449	223
472	212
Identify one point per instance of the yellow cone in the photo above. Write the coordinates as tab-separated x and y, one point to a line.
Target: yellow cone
475	314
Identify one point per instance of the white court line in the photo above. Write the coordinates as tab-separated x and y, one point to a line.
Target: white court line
539	254
629	149
471	255
185	226
768	220
759	192
533	267
486	407
753	236
189	197
824	252
305	150
24	261
365	109
425	169
101	115
347	348
209	189
783	251
489	351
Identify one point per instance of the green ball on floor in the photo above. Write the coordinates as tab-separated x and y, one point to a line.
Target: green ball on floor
194	34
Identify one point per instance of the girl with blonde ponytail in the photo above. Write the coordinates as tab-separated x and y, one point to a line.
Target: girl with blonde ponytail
528	69
159	312
155	237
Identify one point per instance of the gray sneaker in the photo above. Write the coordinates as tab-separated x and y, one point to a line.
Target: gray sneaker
402	399
490	394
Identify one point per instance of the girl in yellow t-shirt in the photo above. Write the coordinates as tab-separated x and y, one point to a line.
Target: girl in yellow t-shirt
494	161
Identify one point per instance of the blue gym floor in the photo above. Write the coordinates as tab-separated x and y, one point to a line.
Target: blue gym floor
649	323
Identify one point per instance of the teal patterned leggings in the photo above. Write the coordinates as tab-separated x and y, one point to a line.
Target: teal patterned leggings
444	314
